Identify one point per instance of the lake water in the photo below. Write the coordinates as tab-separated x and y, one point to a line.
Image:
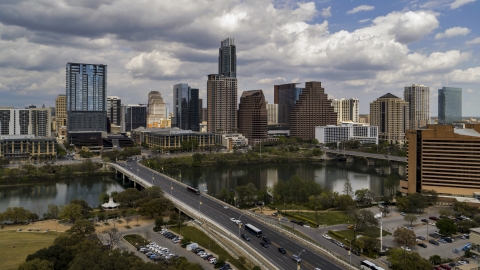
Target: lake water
36	197
331	176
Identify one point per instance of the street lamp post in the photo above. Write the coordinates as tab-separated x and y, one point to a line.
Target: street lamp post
350	251
380	215
235	198
204	184
298	266
239	225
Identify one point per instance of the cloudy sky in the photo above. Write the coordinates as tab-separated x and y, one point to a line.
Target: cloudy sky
360	49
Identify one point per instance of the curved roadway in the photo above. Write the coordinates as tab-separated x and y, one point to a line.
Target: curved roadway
215	211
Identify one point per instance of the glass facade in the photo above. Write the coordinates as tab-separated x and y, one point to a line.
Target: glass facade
227	59
185	107
449	105
133	117
86	92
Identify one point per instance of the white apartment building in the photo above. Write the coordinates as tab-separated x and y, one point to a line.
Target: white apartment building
418	98
33	121
390	114
345	132
234	140
346	109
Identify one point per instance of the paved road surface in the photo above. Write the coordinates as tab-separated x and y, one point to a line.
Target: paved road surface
215	211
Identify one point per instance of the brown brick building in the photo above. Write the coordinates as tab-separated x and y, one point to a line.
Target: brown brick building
445	158
221	104
311	109
252	115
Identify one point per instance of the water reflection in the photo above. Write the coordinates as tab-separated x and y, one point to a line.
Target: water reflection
331	176
36	197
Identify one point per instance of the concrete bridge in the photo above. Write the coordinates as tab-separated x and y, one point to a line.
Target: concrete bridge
370	157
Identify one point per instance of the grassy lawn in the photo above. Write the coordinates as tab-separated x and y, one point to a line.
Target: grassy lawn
25	243
327	218
373	232
289	206
203	240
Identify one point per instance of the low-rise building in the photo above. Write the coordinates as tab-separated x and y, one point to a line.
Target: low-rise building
233	140
171	139
27	147
347	131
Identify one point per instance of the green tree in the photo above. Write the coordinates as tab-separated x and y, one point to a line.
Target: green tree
83	204
256	267
392	182
446	226
401	260
362	217
159	222
103	198
431	196
364	196
155	207
347	188
344	201
72	212
36	264
223	195
404	237
128	197
410	218
52	211
153	192
82	227
370	244
435	259
16	214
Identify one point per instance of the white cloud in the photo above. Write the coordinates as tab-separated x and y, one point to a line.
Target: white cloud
470	75
155	64
326	12
458	3
473	41
453	32
271	80
469	90
364	20
412	26
360	8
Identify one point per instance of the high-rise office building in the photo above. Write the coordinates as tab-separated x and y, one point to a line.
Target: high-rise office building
185	107
86	92
252	116
133	116
272	114
227	59
444	158
61	111
346	109
286	95
449	105
156	110
40	122
418	98
204	114
114	108
310	110
390	114
221	104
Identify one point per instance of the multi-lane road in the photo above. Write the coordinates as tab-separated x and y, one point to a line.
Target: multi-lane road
366	155
215	210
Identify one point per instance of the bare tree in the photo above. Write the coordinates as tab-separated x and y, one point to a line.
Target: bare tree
127	220
112	237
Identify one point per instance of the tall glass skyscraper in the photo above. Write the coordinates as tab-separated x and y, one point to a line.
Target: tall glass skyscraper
86	92
227	59
133	116
286	96
449	105
185	107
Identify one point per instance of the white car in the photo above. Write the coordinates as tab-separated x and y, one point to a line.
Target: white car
212	260
326	236
239	222
306	226
405	248
233	220
226	207
462	262
431	223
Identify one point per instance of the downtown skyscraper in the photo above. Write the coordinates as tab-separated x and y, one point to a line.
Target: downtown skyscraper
185	107
222	91
86	92
418	98
449	105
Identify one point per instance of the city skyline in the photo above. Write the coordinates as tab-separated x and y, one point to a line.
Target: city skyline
397	45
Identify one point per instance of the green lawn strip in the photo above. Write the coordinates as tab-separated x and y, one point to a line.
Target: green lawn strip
372	232
136	239
289	207
197	236
328	218
16	246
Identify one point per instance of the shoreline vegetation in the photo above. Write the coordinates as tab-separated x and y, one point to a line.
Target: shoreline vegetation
29	174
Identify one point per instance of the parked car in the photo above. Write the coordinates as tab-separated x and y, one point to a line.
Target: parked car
434	242
446	266
421	237
422	245
326	236
424	220
225	267
433	218
405	248
356	252
282	250
402	213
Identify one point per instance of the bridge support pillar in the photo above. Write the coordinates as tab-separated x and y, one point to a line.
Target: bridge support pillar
123	178
134	183
350	159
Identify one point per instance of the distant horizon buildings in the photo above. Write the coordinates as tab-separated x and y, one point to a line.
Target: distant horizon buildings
156	110
86	91
390	114
418	98
185	107
61	115
310	110
449	105
252	116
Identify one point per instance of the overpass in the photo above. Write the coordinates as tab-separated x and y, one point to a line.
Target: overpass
367	156
211	213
